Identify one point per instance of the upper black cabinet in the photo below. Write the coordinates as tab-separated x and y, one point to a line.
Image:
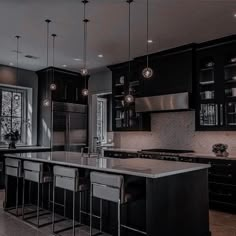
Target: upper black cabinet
69	85
216	85
124	116
173	72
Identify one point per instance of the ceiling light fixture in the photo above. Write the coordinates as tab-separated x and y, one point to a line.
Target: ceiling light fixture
84	71
147	72
16	96
53	86
234	14
129	98
100	56
11	64
77	59
150	41
46	101
64	66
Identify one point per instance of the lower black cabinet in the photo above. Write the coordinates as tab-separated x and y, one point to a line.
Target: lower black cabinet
120	154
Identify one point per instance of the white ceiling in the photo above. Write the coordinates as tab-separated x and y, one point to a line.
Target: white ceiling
172	23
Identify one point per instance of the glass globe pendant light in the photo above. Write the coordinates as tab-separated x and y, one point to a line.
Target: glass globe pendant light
46	101
84	71
129	98
147	72
16	95
53	86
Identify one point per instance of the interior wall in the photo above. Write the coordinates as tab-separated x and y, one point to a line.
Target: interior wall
99	83
27	79
175	130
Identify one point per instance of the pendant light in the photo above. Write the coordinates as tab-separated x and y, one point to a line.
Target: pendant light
16	96
46	101
129	98
84	71
147	72
53	86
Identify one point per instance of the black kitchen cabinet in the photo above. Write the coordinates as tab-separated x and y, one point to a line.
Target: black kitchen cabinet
69	85
173	71
120	154
216	85
222	184
124	116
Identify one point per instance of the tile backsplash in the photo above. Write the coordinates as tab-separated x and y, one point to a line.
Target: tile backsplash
175	130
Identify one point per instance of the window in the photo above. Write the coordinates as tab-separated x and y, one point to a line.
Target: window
102	119
12	108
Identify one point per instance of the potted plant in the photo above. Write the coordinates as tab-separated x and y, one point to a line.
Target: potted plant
220	150
12	138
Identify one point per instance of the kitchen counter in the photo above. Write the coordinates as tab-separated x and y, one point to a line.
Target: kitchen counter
133	166
208	156
174	192
24	149
122	150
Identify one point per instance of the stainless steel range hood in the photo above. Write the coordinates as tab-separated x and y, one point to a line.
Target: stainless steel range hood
169	102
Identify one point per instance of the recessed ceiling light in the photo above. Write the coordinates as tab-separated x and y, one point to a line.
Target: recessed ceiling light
150	41
100	56
77	59
11	64
234	14
64	65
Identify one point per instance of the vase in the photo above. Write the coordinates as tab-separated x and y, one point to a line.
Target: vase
222	154
12	145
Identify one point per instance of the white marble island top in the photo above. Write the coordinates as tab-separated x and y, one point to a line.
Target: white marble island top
133	166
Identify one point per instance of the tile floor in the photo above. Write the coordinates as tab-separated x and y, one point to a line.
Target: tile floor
222	224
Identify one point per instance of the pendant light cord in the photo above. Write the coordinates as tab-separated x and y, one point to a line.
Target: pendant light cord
48	22
53	55
147	32
85	20
17	57
129	35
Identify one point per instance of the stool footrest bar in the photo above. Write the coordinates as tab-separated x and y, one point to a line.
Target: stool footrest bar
133	229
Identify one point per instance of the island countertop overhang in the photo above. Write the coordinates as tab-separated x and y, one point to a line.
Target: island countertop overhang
134	166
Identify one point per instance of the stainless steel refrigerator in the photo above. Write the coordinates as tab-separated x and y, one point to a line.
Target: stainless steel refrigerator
69	126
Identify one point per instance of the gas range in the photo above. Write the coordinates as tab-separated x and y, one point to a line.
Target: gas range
163	154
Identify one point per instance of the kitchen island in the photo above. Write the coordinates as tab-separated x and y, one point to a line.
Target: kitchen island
176	194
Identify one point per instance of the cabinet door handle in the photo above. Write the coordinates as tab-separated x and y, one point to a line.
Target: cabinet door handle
217	175
221	194
221	165
221	115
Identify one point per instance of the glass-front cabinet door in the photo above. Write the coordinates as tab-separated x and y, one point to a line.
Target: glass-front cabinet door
216	83
230	92
207	106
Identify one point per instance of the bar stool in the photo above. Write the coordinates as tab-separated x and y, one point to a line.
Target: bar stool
111	188
34	172
13	168
68	179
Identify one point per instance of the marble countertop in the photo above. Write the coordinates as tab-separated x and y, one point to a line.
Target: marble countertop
122	149
133	166
208	155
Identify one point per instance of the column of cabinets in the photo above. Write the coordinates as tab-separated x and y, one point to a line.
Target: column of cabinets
216	86
124	116
69	85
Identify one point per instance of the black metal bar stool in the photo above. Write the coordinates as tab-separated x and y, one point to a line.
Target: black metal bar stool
68	179
34	172
13	168
111	188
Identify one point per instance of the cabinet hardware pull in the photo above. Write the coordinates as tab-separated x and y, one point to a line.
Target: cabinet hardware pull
221	165
221	194
221	115
225	176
